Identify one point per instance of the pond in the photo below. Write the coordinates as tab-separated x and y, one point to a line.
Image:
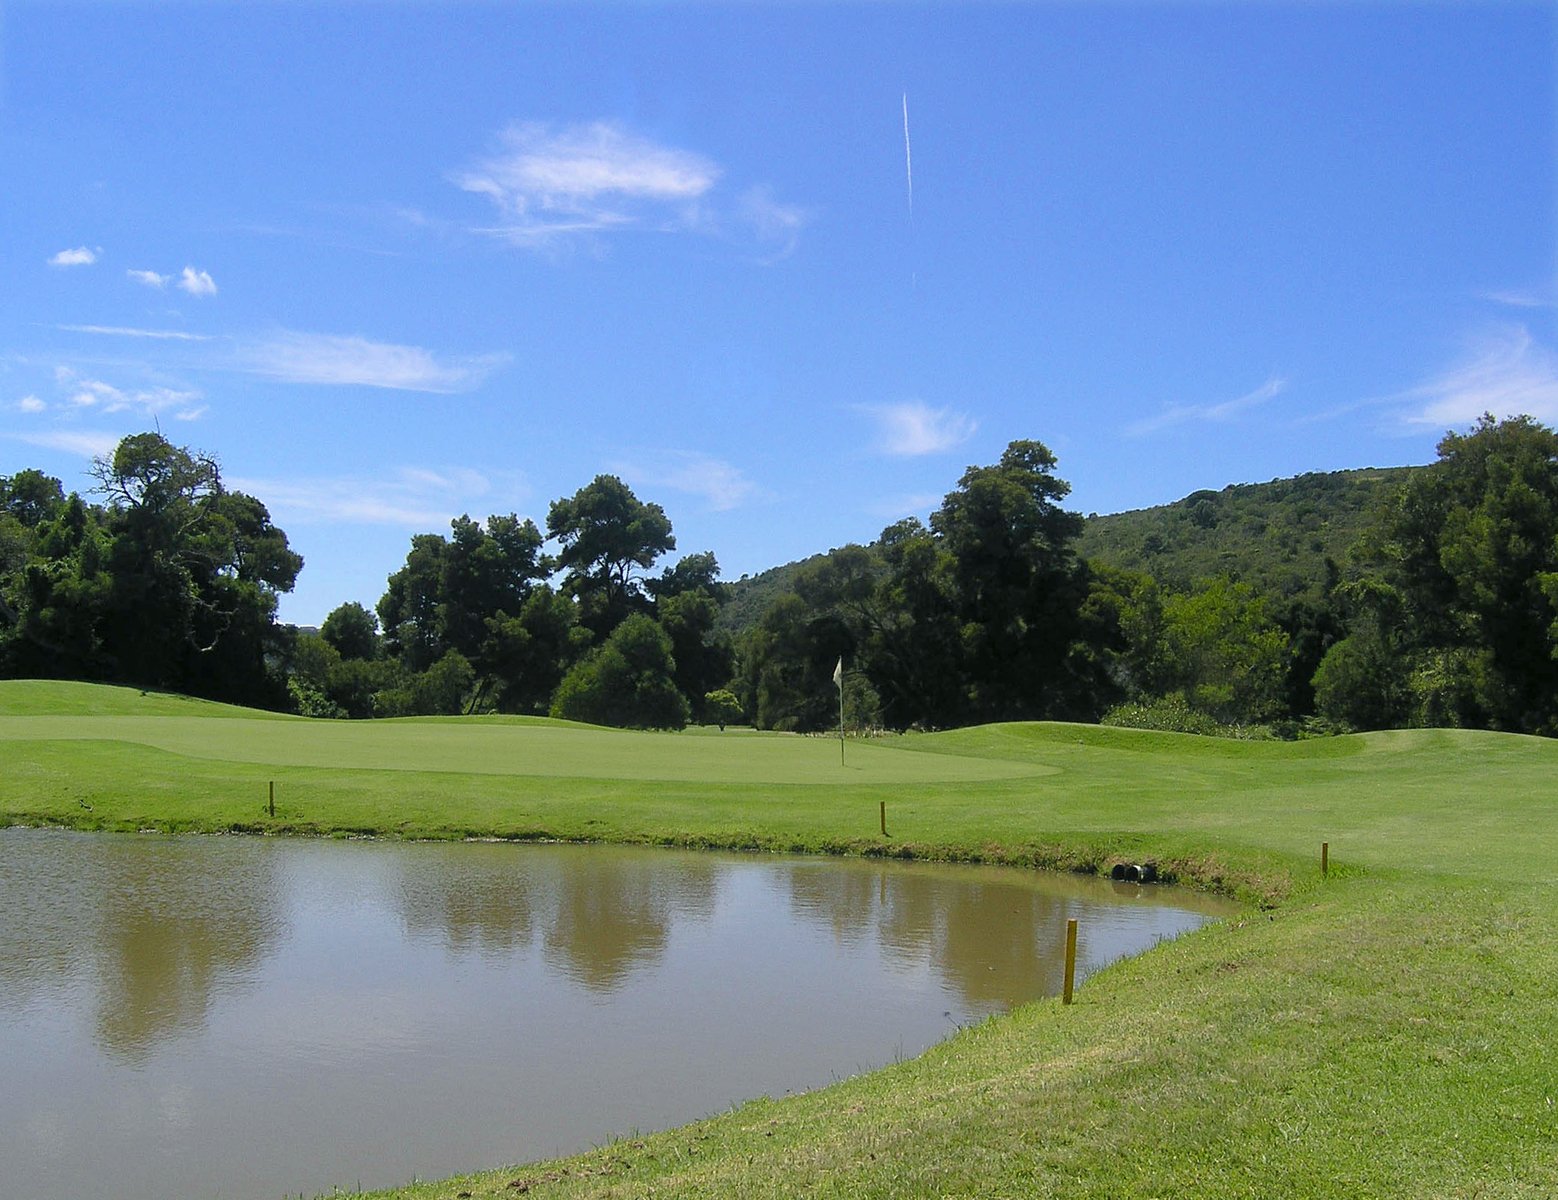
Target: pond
244	1017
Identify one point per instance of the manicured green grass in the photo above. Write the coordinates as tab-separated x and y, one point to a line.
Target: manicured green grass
1385	1031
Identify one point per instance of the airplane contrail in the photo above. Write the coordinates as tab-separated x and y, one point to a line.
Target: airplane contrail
908	158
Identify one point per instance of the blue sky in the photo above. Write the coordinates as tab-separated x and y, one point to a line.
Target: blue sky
396	262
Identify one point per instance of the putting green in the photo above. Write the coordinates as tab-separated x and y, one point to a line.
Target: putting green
533	749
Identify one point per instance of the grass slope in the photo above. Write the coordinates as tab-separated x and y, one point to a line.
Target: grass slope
1382	1032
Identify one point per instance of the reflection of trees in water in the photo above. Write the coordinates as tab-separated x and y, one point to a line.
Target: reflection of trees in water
488	902
179	922
1000	943
994	943
600	912
159	926
842	896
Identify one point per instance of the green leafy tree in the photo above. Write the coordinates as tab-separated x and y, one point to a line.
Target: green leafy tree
352	630
1360	684
1225	653
1471	543
450	592
527	655
627	681
721	707
195	573
53	594
703	654
1019	585
609	538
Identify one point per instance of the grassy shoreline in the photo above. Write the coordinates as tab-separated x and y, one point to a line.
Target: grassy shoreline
1380	1032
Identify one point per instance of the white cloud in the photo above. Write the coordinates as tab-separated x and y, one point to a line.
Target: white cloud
149	278
30	404
96	394
913	428
294	357
777	225
720	484
81	256
549	183
409	498
1518	298
197	283
1505	372
123	331
1180	414
87	444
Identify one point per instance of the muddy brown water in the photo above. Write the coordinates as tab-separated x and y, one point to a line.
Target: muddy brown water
239	1018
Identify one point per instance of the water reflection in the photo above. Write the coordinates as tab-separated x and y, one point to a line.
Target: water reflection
988	940
245	1018
153	931
600	912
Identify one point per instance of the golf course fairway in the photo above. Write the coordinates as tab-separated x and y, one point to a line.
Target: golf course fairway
1386	1029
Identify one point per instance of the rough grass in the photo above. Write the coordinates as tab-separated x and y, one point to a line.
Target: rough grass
1385	1031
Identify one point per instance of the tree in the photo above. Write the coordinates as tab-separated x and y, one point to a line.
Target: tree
1471	543
31	497
527	655
409	608
721	707
1360	685
609	538
195	571
352	630
1224	652
1018	583
450	592
626	681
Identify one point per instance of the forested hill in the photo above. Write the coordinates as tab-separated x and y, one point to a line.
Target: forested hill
1275	536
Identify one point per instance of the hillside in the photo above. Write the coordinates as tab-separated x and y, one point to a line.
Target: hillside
1276	536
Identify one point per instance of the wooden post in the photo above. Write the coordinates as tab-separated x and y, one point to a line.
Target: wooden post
884	818
272	797
1071	959
1325	858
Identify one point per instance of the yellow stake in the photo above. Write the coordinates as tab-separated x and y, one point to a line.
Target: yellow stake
1071	959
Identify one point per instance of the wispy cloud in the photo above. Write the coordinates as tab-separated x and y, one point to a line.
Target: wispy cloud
1518	298
721	485
88	444
294	357
913	428
196	283
777	225
149	278
84	393
552	184
31	404
81	256
1180	414
1505	372
171	335
409	498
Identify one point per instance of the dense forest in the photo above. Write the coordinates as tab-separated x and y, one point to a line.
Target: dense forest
1324	603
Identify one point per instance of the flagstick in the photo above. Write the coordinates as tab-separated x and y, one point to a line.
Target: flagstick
841	722
839	673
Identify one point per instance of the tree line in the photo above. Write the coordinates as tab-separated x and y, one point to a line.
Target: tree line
1443	612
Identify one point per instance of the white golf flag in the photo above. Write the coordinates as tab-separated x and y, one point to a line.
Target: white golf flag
838	674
